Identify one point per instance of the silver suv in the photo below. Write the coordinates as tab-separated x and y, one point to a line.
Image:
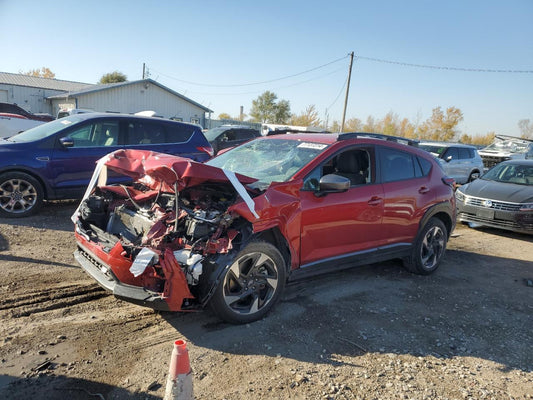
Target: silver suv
460	161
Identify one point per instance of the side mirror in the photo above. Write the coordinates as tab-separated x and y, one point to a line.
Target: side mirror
66	141
332	183
448	159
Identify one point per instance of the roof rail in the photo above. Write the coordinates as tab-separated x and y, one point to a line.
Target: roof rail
397	139
290	130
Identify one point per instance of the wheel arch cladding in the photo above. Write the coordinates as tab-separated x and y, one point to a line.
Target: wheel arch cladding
275	238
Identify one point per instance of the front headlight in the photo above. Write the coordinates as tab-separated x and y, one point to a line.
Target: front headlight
526	207
459	196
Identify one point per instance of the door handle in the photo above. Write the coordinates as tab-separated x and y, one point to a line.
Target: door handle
375	201
423	190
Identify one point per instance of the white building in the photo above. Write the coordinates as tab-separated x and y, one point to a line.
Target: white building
31	92
43	95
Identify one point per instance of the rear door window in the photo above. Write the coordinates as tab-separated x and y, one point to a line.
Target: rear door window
396	165
157	132
463	153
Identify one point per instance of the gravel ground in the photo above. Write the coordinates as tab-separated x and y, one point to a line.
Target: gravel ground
374	332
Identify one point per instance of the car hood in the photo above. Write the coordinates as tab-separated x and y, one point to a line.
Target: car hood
168	169
166	172
501	191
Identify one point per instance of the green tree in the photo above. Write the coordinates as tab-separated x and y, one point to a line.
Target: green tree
44	72
441	126
113	77
307	118
224	116
265	109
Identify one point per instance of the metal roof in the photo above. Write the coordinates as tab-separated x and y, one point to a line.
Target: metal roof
43	83
98	88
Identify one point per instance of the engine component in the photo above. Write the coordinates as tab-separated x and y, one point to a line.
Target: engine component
128	224
93	212
200	223
191	263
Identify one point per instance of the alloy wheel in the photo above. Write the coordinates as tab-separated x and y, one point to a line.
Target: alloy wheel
250	283
17	196
432	247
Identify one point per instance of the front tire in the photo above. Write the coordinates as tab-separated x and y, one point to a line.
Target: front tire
428	249
251	285
21	195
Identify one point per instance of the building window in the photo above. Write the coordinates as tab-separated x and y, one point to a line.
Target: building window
195	120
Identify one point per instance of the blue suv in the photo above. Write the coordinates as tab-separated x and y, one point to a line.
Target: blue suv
56	160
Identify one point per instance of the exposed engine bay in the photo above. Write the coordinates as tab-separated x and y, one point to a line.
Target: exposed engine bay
149	227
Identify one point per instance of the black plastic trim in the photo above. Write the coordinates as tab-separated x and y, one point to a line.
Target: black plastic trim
346	261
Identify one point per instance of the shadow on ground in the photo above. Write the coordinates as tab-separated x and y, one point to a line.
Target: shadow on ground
53	215
473	306
63	387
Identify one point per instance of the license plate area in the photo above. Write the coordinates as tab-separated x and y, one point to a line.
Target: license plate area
485	213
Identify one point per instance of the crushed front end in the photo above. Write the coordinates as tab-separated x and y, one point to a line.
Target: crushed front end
161	240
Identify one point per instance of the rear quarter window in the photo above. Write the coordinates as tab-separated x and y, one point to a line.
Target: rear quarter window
424	165
178	133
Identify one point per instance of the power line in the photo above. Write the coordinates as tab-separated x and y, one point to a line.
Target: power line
505	71
253	83
338	95
275	88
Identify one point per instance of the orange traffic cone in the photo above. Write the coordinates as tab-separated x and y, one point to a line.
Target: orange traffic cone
179	381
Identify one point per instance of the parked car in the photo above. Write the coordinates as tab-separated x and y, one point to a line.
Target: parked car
64	112
502	198
56	160
505	148
11	124
15	109
459	161
227	136
231	231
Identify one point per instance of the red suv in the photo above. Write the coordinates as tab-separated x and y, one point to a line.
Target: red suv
232	231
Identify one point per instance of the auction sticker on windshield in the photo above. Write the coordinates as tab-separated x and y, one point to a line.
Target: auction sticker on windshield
316	146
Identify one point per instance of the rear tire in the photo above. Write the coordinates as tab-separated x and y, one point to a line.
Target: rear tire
428	248
251	285
21	195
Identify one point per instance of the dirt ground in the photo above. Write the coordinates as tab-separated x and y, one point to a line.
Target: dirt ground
374	332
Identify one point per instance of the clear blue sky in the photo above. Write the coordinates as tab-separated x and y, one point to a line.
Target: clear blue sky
240	42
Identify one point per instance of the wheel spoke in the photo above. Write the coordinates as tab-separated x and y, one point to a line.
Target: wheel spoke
272	282
230	300
255	305
261	260
235	271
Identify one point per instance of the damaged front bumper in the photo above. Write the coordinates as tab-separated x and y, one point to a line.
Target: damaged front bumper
105	278
175	294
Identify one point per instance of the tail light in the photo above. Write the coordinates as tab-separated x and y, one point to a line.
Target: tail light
449	181
206	149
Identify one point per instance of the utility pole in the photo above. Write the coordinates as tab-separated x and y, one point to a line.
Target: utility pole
347	91
144	69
